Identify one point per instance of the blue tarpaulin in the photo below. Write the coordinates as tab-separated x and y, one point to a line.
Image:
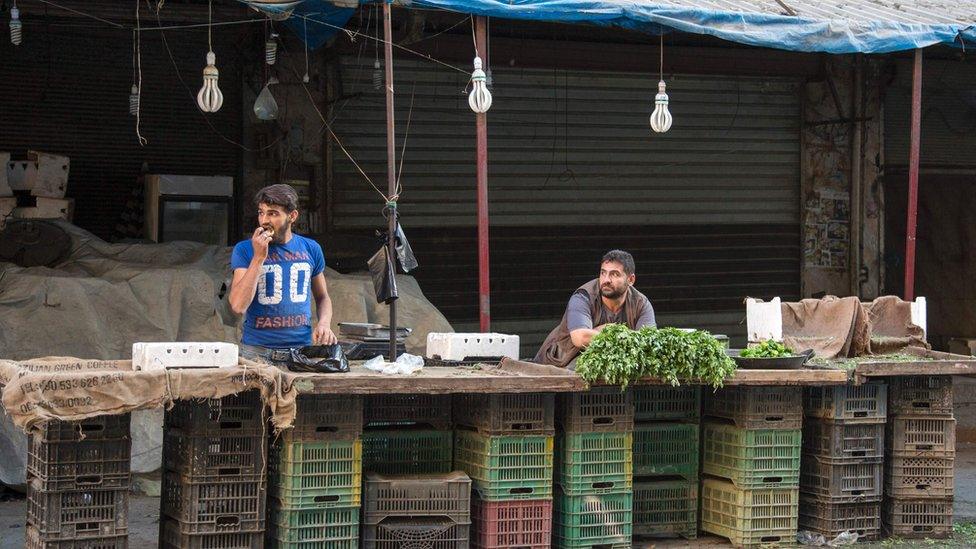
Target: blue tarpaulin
831	26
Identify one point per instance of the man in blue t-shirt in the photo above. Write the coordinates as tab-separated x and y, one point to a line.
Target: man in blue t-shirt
276	273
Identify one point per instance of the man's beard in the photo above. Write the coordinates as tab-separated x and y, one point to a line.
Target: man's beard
279	234
610	292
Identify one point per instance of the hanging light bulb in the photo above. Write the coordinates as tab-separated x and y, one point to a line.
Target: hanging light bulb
480	98
134	100
16	27
378	76
661	118
271	49
265	107
210	98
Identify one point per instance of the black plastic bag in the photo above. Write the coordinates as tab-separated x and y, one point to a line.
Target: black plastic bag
383	272
319	359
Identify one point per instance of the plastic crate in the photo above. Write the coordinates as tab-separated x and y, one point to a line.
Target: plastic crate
316	474
833	519
596	520
842	481
115	428
919	477
239	412
225	454
667	508
752	458
917	518
599	410
89	464
77	514
213	507
506	467
757	407
417	410
398	451
914	395
749	518
594	463
33	541
334	528
666	403
921	435
326	417
842	440
171	537
506	414
511	524
666	449
403	496
416	532
866	403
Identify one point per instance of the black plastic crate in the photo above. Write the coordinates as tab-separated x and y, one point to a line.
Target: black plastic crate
921	435
667	403
209	507
34	541
326	417
833	519
411	410
506	414
842	440
866	403
841	481
917	518
171	537
911	477
239	412
88	464
114	428
77	514
920	395
601	409
226	454
426	495
757	407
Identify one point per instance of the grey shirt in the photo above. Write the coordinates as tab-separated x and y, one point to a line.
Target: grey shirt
578	315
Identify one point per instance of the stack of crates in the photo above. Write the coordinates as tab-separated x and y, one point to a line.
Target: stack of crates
843	450
751	463
407	434
504	442
315	474
214	476
78	484
666	450
594	470
430	511
920	449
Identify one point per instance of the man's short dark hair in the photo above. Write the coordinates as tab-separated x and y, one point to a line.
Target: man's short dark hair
278	195
621	257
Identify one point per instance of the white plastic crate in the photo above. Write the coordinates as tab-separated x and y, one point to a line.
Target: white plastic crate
452	346
180	354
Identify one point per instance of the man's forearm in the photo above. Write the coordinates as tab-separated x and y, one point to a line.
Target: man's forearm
242	293
323	307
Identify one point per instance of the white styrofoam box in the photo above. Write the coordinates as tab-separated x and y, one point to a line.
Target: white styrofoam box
5	189
20	173
43	174
7	206
183	354
764	320
452	346
920	315
48	208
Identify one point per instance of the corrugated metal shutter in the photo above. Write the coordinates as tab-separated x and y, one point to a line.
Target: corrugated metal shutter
65	90
948	115
710	209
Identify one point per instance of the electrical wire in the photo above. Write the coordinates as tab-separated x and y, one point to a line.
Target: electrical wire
142	140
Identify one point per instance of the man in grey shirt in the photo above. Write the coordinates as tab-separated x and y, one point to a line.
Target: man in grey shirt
609	299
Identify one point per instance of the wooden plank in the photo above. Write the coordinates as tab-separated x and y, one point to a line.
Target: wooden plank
805	376
930	363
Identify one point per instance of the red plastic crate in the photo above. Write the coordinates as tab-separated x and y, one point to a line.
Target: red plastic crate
504	524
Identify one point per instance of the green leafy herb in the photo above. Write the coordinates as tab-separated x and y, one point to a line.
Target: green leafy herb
767	349
620	356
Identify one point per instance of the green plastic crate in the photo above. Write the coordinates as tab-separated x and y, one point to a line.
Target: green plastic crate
308	475
594	463
666	403
506	467
666	508
333	528
595	520
749	518
752	458
399	451
666	449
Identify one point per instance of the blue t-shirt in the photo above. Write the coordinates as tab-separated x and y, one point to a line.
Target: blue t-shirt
280	316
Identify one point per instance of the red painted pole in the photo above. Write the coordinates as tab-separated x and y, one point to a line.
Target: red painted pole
481	126
913	159
390	165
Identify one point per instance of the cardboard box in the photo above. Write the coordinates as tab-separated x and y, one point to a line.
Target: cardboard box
43	174
5	189
48	208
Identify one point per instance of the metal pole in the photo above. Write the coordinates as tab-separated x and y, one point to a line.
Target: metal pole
913	160
390	166
481	126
